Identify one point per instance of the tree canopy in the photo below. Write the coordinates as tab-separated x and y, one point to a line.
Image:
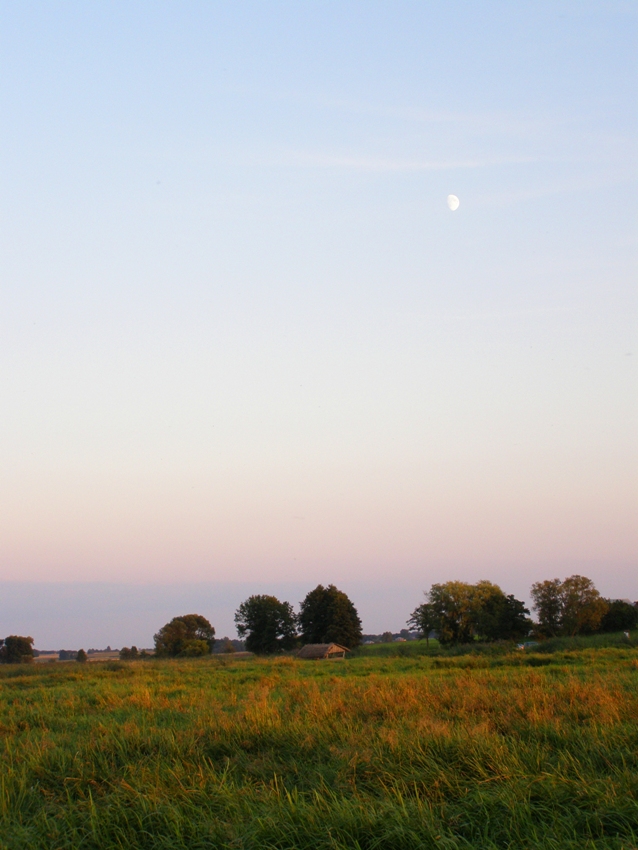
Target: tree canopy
457	605
501	617
267	624
16	649
620	616
327	615
425	620
568	607
546	596
188	635
460	611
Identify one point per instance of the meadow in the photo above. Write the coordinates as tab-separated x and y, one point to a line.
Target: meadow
399	747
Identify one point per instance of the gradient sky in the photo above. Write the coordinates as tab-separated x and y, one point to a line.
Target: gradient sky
243	339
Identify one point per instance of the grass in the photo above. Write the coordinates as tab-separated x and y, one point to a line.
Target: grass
433	648
396	650
509	750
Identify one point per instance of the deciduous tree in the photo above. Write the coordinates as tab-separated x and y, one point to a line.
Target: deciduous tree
456	605
461	612
568	607
548	604
583	606
501	617
425	620
16	649
327	615
189	635
620	616
267	624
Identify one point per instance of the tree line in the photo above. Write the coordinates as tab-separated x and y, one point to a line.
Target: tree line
459	612
268	625
456	612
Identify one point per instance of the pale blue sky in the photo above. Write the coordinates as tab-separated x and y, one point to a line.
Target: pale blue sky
242	337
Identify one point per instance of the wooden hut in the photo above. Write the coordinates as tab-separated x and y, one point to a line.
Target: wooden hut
322	650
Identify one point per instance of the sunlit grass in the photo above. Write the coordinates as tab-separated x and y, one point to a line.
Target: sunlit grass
513	750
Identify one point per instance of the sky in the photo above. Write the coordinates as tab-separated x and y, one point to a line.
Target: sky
246	347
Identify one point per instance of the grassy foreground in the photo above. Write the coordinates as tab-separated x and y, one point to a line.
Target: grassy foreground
520	751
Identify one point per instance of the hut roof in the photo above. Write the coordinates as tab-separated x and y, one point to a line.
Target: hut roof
320	650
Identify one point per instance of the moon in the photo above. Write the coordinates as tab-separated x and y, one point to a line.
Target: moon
453	202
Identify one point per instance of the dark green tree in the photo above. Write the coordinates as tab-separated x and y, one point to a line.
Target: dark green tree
546	596
501	617
267	624
425	620
189	635
327	615
620	616
81	656
16	649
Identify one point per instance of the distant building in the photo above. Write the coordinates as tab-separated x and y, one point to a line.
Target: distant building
322	650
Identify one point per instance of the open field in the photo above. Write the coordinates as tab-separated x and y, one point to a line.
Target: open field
520	750
414	648
48	657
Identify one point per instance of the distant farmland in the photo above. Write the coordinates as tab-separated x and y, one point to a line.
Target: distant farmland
428	750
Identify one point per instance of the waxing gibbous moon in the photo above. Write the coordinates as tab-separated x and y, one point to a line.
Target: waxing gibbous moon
453	202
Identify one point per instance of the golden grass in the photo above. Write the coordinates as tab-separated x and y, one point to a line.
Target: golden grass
280	753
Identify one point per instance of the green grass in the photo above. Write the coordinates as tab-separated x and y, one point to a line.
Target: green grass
509	750
432	648
396	650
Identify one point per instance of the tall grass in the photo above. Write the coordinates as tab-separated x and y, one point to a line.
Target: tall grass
413	752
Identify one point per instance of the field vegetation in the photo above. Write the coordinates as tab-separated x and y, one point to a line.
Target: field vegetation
438	748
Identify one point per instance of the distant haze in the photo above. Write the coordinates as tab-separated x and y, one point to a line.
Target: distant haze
245	344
